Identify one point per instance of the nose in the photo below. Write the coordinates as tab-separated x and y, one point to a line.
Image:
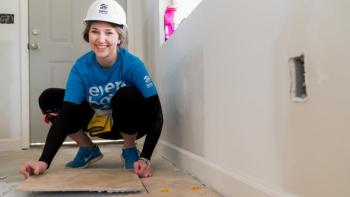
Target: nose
101	37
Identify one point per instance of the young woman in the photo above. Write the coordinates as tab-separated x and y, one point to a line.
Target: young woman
109	93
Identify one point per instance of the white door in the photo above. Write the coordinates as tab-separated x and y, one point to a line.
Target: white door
55	42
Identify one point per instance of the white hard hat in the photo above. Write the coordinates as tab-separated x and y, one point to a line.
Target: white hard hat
106	10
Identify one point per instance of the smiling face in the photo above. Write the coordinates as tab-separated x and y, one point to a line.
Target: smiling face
104	40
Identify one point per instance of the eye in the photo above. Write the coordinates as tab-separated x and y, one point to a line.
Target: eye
94	31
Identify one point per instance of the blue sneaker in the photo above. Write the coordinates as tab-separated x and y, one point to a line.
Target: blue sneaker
129	156
85	157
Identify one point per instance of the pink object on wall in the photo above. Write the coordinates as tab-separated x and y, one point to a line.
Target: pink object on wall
169	24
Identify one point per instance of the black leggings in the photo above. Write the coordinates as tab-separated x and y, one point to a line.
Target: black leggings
128	111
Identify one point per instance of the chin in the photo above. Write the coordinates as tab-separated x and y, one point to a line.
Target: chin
101	55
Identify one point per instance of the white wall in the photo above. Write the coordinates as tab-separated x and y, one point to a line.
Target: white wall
224	82
12	120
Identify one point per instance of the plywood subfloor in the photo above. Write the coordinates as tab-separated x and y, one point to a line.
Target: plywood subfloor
78	180
166	181
174	183
171	183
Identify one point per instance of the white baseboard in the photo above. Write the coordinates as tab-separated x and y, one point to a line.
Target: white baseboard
10	144
224	182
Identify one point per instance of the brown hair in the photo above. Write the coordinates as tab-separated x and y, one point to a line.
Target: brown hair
121	30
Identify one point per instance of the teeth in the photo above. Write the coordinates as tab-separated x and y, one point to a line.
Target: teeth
101	46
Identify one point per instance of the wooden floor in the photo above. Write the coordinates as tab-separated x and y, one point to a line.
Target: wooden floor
166	181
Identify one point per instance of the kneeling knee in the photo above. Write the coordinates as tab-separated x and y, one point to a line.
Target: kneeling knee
51	99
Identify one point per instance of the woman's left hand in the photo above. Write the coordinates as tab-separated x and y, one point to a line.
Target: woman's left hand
143	169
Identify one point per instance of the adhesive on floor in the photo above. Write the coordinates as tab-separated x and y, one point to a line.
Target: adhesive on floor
174	183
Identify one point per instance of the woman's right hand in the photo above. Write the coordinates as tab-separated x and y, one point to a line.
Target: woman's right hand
31	168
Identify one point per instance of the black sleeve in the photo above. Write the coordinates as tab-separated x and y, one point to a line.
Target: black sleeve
155	117
67	123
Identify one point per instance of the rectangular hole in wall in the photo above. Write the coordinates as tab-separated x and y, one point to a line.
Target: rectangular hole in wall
298	78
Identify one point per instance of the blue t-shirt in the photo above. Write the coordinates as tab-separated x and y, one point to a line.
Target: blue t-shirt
89	81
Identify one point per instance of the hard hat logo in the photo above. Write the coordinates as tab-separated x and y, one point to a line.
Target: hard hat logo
103	9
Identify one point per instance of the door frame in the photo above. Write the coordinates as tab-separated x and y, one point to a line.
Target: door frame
24	56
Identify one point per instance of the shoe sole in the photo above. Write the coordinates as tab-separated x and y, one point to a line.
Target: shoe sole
92	161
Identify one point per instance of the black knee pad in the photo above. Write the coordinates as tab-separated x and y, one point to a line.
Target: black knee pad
51	99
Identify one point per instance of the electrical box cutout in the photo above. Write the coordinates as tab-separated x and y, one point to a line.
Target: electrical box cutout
298	78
